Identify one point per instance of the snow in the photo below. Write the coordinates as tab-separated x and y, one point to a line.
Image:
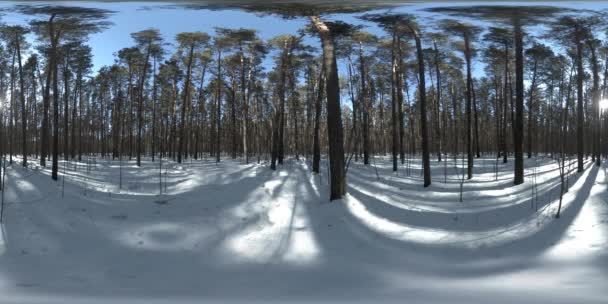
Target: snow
241	233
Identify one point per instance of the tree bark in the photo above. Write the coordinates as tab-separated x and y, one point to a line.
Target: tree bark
185	105
54	67
334	117
519	106
66	98
23	108
438	98
596	108
316	151
46	100
140	105
394	117
580	121
426	163
531	108
218	106
469	142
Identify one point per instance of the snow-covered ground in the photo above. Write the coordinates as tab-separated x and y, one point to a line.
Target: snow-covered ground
243	233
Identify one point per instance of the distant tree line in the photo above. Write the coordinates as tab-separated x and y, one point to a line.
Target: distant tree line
410	91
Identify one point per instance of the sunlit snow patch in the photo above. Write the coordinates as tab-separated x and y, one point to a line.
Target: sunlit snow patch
2	241
281	233
584	236
402	231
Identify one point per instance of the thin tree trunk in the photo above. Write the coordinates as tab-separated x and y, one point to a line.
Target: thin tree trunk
316	151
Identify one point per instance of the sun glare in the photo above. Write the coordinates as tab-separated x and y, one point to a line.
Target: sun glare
604	104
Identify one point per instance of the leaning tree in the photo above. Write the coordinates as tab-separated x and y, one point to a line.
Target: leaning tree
406	24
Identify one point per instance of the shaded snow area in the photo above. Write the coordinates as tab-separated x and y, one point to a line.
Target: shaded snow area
232	232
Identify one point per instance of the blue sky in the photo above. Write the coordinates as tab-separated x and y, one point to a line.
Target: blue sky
133	16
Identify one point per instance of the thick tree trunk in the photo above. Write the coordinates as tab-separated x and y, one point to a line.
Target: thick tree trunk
46	100
140	105
426	159
475	122
218	107
54	67
394	117
78	90
580	119
531	109
245	101
23	108
519	106
282	84
364	106
504	104
80	125
438	99
334	117
233	119
399	88
185	105
468	137
66	98
154	95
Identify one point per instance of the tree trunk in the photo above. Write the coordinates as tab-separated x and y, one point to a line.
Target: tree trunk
426	164
245	107
467	54
334	117
66	98
185	104
78	89
140	105
475	122
218	106
519	105
316	151
364	104
399	88
23	108
394	117
531	109
580	121
438	98
596	105
54	67
46	100
504	103
154	95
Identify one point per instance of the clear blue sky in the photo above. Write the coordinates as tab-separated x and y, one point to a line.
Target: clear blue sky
132	17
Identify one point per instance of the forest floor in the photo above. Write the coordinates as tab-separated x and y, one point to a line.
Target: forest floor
235	232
